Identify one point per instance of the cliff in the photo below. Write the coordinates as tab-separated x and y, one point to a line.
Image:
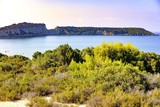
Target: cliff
32	29
23	30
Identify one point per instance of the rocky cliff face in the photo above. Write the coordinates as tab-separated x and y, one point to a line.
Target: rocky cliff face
23	30
32	29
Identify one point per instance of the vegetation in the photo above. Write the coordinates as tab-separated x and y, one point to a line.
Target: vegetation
39	102
69	30
108	75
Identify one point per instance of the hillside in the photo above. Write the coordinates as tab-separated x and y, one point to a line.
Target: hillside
39	29
102	31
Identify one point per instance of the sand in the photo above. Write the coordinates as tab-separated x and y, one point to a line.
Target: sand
23	103
19	103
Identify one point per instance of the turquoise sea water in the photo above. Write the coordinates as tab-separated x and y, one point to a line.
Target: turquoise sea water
27	46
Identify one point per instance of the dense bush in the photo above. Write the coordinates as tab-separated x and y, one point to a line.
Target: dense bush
119	98
39	102
113	75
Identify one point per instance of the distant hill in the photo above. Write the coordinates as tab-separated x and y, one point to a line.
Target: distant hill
39	29
102	31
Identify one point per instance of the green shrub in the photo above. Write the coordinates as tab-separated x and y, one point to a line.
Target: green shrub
39	102
95	101
5	67
113	74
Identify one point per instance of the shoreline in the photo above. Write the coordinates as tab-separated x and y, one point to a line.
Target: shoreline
21	37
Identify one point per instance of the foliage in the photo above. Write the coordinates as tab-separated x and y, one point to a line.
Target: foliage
39	102
112	74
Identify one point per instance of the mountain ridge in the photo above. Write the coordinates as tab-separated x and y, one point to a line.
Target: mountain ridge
39	29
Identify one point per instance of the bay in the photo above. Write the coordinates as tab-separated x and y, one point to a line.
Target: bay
27	46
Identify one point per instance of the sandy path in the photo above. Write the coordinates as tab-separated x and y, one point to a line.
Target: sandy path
19	103
22	103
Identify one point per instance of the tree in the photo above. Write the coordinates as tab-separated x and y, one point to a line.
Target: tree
37	54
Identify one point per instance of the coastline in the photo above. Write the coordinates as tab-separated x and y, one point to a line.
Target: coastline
25	29
19	37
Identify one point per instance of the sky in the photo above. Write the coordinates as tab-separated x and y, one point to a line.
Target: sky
94	13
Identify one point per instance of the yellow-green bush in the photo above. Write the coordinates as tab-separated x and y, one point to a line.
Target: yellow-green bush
113	75
39	102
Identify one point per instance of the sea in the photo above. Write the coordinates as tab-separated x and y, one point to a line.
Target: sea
27	46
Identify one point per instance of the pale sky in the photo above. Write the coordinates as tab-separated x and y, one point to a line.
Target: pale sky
95	13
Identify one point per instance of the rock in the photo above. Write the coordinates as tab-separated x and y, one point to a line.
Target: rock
23	30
